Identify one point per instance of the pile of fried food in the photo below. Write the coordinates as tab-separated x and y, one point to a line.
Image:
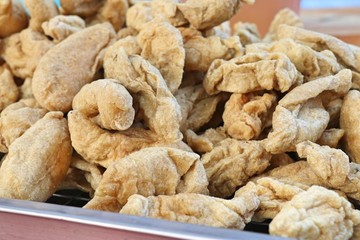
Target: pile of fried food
157	110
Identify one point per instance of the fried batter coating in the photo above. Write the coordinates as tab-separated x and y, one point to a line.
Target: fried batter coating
162	46
247	32
161	111
82	8
60	27
40	11
245	115
138	15
251	72
77	59
350	122
346	53
331	137
201	51
301	115
206	141
23	51
317	213
37	161
150	171
9	92
13	17
196	208
231	163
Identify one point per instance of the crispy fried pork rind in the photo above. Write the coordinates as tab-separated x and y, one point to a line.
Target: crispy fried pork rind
231	163
9	92
130	45
161	111
37	161
60	27
25	90
247	32
223	31
310	63
251	72
82	8
347	54
23	51
162	46
169	10
126	31
77	59
278	160
331	137
317	213
201	51
350	122
16	119
13	17
196	208
246	115
138	15
301	115
206	141
40	11
150	171
112	11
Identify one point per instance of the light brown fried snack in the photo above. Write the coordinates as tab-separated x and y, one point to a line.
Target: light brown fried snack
161	111
13	17
278	160
301	115
245	115
130	45
355	80
138	15
201	51
317	213
310	63
150	171
206	141
112	11
9	92
169	58
223	31
127	31
347	54
284	16
168	9
77	59
60	27
37	161
82	8
331	137
25	89
350	122
40	11
231	163
196	208
23	51
75	179
252	72
334	107
16	119
247	32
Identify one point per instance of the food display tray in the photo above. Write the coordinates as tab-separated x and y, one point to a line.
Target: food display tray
62	218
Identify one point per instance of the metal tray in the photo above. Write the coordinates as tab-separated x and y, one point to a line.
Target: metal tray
36	221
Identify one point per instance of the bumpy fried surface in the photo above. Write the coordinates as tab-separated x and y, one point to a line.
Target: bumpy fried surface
77	59
13	17
126	31
196	208
251	72
231	163
60	27
92	172
25	89
245	115
206	141
350	122
37	161
40	11
82	8
247	32
9	92
112	11
331	137
317	213
150	171
168	9
138	15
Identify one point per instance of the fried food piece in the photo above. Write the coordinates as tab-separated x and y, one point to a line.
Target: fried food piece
278	160
331	137
169	10
301	115
231	163
161	110
114	12
347	54
37	161
13	18
40	11
317	213
150	171
127	31
245	115
130	45
206	141
169	58
138	15
223	31
82	8
334	107
9	92
195	208
75	179
201	51
25	90
23	51
350	123
310	63
251	72
247	32
60	27
284	16
16	119
77	59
